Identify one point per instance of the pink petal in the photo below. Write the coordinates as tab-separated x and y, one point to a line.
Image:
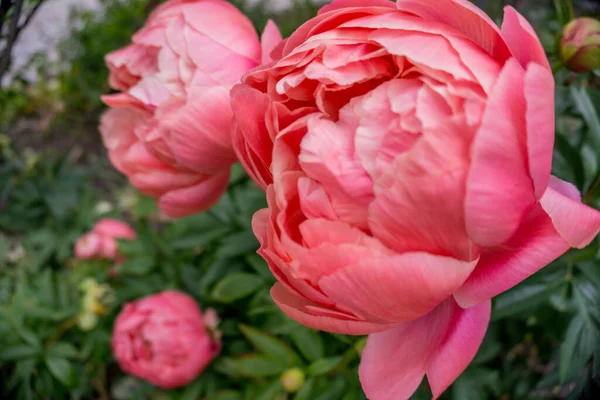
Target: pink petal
522	40
532	247
251	140
483	67
337	4
463	16
271	37
88	246
539	96
440	344
223	23
464	335
395	288
195	199
200	131
114	228
577	223
327	156
303	312
407	214
499	189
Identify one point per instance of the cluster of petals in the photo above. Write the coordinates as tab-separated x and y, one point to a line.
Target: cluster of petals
101	241
165	339
168	129
406	150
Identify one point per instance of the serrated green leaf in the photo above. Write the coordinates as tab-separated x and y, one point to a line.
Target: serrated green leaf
236	286
309	342
61	369
271	346
324	365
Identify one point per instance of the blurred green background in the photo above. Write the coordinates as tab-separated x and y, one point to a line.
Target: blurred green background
55	182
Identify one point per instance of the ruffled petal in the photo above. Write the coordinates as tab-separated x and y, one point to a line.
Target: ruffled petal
314	316
440	344
397	288
577	223
465	17
522	40
271	38
539	97
195	199
499	189
534	245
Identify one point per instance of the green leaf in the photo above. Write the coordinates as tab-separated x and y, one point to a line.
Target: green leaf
309	342
334	390
62	370
587	298
476	384
195	239
259	265
305	392
137	266
64	350
251	365
3	248
588	111
227	395
269	392
324	365
18	352
271	346
236	286
576	349
525	297
238	244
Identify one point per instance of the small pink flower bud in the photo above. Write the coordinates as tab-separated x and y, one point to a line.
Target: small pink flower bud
580	45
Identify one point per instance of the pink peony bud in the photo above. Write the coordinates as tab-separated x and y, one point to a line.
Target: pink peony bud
101	241
162	338
580	45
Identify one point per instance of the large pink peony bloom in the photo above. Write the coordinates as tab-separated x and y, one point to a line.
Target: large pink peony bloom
101	241
169	129
164	339
406	151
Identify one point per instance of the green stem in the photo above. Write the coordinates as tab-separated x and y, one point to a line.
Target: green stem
564	10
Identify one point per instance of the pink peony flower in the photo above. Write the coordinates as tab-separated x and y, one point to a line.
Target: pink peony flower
101	241
169	129
406	151
163	338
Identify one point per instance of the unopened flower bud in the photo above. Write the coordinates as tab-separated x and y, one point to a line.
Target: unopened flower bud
292	380
580	45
